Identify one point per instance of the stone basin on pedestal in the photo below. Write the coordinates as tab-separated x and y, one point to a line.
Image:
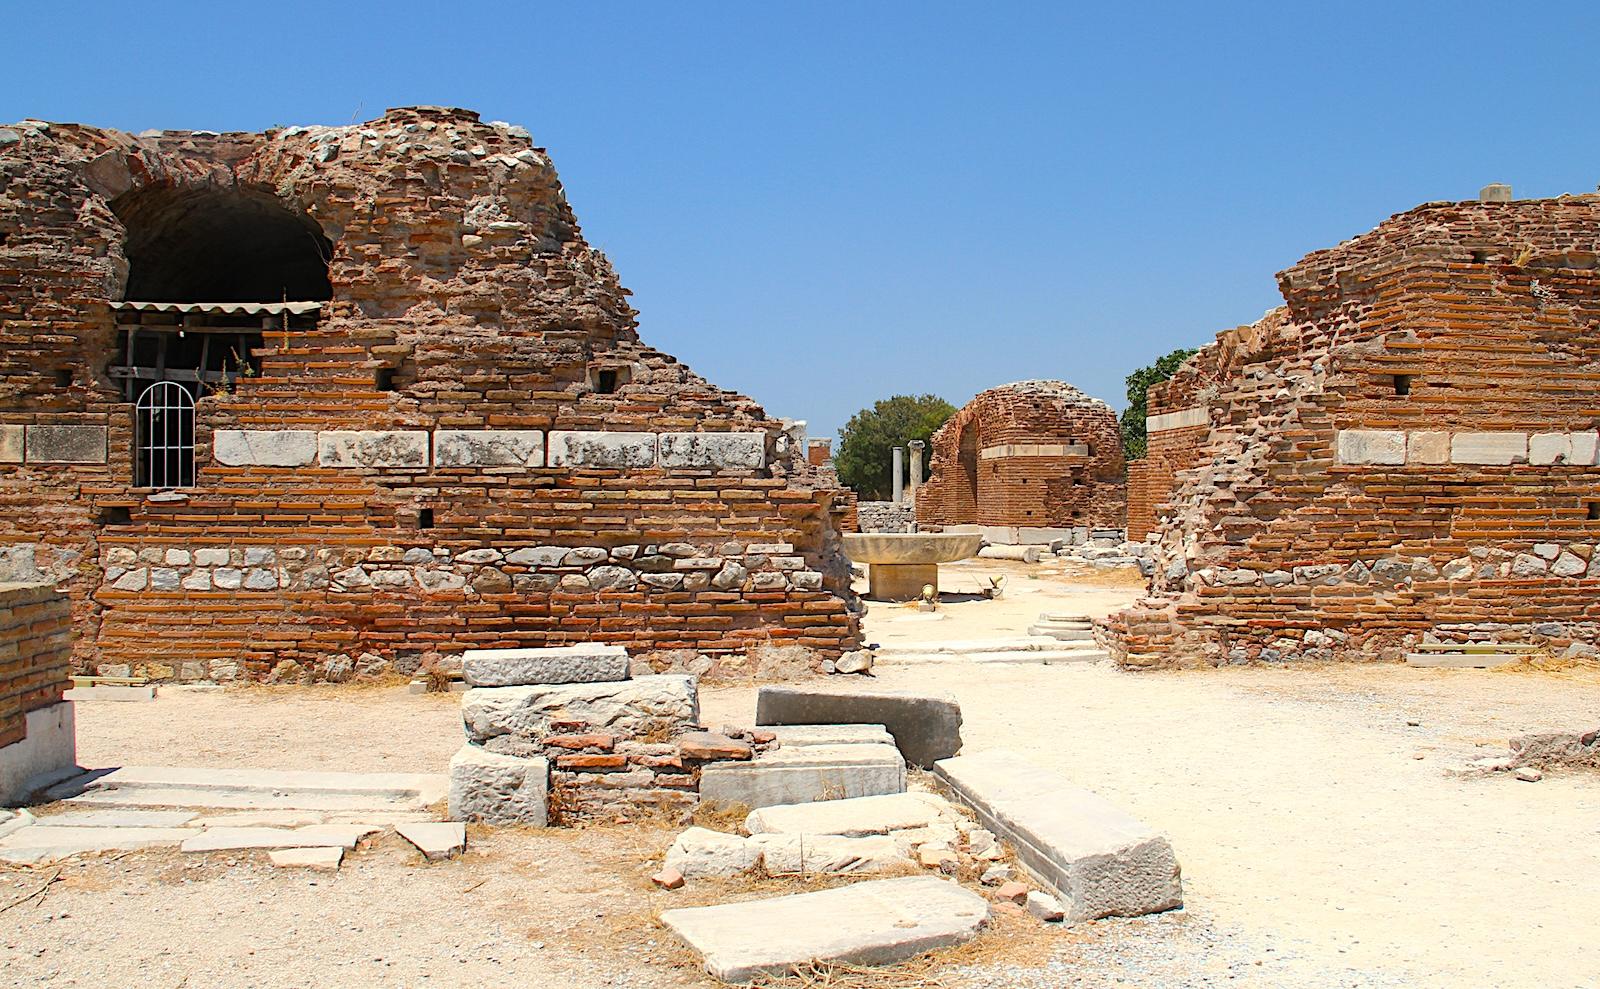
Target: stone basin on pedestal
900	563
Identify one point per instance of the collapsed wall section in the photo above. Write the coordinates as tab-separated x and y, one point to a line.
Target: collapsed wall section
464	444
1404	451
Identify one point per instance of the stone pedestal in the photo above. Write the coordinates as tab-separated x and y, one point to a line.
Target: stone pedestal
900	581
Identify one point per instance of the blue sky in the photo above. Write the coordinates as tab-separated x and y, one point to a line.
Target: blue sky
825	204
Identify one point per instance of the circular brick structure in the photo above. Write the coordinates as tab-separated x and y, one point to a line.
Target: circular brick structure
1028	454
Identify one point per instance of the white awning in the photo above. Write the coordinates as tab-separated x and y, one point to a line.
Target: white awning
248	308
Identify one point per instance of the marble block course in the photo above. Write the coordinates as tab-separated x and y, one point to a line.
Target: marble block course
591	448
498	789
372	448
793	735
264	447
878	922
1100	860
488	448
926	727
11	444
713	450
628	707
557	664
800	774
69	444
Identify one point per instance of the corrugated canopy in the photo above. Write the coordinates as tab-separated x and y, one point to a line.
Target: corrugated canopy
249	308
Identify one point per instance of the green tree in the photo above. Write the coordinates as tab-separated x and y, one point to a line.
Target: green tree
865	460
1134	441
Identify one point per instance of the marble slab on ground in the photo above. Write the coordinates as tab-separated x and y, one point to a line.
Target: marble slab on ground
852	817
878	922
118	818
40	843
320	858
316	835
436	840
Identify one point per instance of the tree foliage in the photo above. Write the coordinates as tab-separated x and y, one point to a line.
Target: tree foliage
865	460
1134	440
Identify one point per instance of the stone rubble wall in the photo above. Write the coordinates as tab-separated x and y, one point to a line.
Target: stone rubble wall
886	516
445	403
1031	453
1401	452
35	649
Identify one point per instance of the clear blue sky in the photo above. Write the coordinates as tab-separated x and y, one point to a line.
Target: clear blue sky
825	204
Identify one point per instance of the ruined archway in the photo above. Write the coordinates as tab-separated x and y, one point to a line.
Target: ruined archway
221	244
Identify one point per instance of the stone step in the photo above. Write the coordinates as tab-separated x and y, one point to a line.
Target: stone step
800	773
239	839
925	727
118	818
1463	660
43	843
317	858
1034	643
1062	633
1476	647
877	922
1054	657
253	789
832	734
1101	861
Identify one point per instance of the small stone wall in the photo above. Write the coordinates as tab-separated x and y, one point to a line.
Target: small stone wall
886	516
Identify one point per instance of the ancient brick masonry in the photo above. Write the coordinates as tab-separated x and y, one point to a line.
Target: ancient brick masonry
1032	453
466	444
35	647
1405	450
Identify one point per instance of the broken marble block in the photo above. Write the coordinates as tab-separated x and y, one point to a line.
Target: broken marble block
701	852
876	922
926	727
811	854
498	789
1102	861
588	663
803	773
500	717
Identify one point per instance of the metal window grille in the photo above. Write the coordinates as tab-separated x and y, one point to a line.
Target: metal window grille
164	415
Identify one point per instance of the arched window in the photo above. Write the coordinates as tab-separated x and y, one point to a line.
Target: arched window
164	421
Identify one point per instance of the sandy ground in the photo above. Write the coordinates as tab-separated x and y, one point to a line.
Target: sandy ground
1322	841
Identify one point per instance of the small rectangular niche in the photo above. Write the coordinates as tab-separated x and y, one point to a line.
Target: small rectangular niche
424	518
606	380
1402	384
63	377
383	379
1592	510
114	515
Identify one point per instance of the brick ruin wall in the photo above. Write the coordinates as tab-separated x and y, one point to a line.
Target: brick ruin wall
1405	449
886	516
1032	453
35	650
1177	424
432	467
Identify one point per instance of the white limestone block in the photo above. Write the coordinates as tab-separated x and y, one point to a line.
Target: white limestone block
700	852
1428	447
713	450
799	774
596	448
1372	446
436	840
1489	449
852	817
488	448
587	663
1550	448
1585	447
810	854
11	444
372	448
264	447
498	789
70	444
630	707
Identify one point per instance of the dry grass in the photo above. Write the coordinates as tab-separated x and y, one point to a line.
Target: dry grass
1570	667
728	817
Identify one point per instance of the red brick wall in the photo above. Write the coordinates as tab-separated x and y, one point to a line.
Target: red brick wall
1334	514
35	647
458	265
1021	487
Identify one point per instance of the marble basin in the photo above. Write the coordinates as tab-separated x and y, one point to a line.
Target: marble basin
900	564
